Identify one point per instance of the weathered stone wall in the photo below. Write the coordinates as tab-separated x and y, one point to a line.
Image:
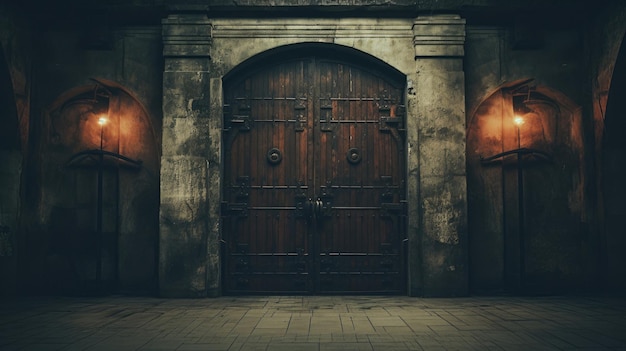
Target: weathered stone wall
441	218
189	236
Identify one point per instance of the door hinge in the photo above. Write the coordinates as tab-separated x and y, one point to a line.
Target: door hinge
391	117
240	118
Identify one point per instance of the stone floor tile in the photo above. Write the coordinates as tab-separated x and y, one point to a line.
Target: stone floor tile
161	345
301	346
203	347
363	326
345	346
398	331
274	322
390	321
390	346
248	347
269	331
234	323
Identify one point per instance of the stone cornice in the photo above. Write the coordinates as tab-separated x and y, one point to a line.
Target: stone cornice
187	36
311	28
439	35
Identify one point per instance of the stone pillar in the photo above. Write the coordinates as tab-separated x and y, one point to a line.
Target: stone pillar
189	232
438	216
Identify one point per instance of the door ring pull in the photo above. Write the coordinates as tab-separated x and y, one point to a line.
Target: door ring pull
319	204
274	156
315	207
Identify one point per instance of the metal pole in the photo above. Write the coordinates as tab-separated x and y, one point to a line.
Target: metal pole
99	214
520	199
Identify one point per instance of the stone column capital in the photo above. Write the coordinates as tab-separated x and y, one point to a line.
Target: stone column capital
439	36
187	35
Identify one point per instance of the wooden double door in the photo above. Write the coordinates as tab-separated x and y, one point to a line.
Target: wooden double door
314	180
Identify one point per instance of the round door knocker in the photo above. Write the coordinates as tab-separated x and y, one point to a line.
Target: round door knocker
354	156
274	156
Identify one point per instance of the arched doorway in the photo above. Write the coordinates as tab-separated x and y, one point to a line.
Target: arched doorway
314	175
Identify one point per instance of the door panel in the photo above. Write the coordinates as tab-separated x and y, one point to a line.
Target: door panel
267	163
314	181
359	170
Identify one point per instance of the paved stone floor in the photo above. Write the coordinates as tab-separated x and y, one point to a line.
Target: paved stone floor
302	323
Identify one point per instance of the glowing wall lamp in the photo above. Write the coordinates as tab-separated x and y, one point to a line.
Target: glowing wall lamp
518	121
102	121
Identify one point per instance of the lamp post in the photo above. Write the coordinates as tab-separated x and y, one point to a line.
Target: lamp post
102	121
519	121
94	158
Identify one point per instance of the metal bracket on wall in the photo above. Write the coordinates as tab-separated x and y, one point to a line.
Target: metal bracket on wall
389	122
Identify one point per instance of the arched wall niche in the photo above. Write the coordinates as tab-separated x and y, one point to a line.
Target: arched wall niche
125	205
526	192
100	96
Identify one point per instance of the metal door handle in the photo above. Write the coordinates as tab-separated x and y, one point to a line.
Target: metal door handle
318	206
315	208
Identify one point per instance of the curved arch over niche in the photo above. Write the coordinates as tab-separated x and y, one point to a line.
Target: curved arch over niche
310	49
526	192
612	185
99	184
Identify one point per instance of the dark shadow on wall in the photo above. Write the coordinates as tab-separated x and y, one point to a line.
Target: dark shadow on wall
10	173
613	171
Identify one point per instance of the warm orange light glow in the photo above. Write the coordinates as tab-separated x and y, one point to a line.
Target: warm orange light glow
518	120
102	121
